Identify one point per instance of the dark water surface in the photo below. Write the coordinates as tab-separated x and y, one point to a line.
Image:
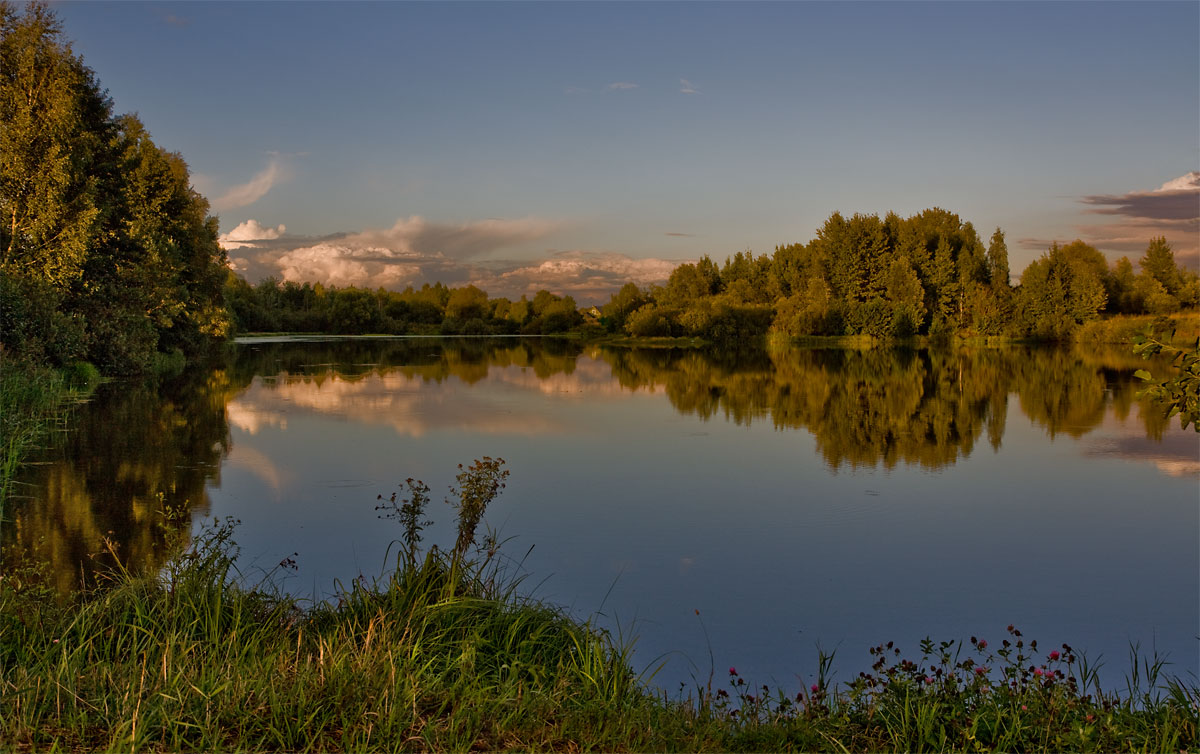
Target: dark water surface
793	497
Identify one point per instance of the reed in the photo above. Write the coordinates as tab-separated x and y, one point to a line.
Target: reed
31	398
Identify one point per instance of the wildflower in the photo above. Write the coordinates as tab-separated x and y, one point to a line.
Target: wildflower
980	670
928	680
1024	708
1054	655
983	643
732	670
815	688
1037	671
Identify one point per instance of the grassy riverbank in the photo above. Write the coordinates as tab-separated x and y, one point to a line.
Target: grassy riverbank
445	655
31	401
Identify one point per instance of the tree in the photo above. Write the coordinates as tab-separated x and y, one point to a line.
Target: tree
1159	263
1061	290
467	303
94	217
907	298
623	303
56	125
997	260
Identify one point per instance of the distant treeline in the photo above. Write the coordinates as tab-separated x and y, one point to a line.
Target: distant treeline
271	306
929	274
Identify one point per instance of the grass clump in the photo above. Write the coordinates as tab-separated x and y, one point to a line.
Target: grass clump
32	397
444	654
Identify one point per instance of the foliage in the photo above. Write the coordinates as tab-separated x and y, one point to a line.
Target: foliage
1179	394
106	252
478	486
272	306
411	515
30	399
438	657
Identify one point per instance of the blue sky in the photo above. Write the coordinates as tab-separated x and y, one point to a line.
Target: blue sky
578	145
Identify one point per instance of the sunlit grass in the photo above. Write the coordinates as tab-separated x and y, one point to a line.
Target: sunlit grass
445	654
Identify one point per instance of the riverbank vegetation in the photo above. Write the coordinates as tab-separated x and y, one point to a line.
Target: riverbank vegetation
107	254
445	654
926	276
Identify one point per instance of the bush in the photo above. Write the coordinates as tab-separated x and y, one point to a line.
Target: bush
651	322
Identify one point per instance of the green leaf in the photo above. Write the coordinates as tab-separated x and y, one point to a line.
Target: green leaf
1142	374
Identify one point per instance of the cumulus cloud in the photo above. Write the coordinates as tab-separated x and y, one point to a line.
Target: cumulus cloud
415	251
341	265
687	87
618	85
248	232
256	188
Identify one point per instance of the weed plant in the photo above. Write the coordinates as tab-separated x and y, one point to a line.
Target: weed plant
444	654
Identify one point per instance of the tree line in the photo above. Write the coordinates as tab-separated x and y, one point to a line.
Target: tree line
274	306
892	277
108	255
106	252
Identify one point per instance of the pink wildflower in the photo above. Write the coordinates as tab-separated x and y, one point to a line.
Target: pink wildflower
1054	655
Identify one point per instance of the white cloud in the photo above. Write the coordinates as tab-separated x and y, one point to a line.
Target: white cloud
342	265
247	232
687	87
622	85
1189	182
256	188
414	251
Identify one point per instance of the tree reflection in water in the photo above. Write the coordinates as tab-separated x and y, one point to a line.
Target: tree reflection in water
134	468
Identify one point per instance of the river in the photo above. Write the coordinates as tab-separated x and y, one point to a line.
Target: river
726	509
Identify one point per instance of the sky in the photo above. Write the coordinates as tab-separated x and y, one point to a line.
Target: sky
576	146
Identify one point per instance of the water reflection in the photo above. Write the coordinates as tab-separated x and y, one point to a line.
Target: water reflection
140	451
884	407
126	480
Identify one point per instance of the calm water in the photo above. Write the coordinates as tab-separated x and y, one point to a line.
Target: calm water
794	498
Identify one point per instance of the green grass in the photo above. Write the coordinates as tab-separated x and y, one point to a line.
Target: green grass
445	654
1124	328
31	401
